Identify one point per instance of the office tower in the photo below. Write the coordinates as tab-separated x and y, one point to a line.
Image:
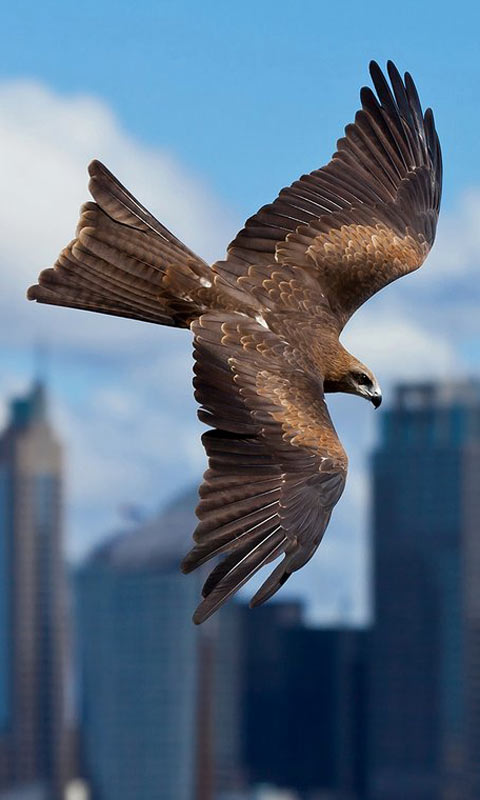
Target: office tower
139	661
32	599
221	704
160	696
304	701
425	671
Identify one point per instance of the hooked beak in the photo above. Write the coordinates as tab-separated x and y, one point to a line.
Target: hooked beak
376	398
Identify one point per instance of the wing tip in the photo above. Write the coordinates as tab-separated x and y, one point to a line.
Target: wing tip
207	608
198	616
374	69
185	567
392	67
273	583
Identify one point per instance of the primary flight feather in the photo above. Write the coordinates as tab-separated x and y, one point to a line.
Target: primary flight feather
266	323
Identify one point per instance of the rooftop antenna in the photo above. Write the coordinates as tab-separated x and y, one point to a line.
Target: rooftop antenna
40	360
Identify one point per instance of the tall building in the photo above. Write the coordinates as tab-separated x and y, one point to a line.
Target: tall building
425	671
32	601
160	697
221	769
304	704
139	661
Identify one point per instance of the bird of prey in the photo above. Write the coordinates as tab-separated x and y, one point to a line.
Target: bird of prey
266	323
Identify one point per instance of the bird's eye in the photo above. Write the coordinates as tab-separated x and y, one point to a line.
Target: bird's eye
364	380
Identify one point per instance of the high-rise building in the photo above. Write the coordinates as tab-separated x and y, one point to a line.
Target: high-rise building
425	670
138	664
304	704
222	678
32	601
160	697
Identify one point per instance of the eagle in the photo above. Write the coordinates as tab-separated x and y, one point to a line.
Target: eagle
266	324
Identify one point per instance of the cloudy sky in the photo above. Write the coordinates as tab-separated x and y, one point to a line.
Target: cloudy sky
205	110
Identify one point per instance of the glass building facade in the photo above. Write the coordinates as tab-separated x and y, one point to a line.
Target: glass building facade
304	722
5	530
425	670
140	661
32	600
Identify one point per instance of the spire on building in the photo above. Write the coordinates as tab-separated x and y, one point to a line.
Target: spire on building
30	408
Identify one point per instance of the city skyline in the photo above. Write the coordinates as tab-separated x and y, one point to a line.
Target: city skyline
256	696
253	698
138	666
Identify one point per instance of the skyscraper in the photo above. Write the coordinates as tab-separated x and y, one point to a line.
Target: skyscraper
32	600
304	704
220	721
161	698
425	675
139	663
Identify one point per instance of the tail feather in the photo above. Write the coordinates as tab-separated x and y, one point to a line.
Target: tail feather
124	208
80	276
126	263
87	301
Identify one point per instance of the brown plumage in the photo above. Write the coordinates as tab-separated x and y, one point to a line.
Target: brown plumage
266	323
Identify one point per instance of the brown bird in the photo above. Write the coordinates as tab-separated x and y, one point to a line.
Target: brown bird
266	323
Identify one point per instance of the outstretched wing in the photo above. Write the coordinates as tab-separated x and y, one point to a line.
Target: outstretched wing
276	466
367	217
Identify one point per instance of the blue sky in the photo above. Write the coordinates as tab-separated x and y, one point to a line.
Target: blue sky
205	110
249	94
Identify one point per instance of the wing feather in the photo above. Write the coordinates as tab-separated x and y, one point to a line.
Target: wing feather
385	177
276	466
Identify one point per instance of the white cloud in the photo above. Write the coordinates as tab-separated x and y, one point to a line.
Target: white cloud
395	346
125	408
455	255
46	142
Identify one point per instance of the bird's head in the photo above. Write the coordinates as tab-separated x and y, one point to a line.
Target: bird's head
353	377
361	380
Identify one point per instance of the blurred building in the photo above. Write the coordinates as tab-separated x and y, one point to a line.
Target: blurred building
160	698
139	662
304	704
34	739
219	739
426	646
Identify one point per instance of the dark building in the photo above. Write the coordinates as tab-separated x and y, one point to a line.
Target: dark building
305	704
425	675
160	697
138	664
34	738
225	633
221	774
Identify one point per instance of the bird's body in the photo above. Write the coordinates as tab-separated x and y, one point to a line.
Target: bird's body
266	324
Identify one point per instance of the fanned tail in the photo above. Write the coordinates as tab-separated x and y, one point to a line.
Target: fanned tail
126	263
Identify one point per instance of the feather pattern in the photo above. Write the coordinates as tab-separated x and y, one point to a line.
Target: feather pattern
383	183
276	466
266	323
125	263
